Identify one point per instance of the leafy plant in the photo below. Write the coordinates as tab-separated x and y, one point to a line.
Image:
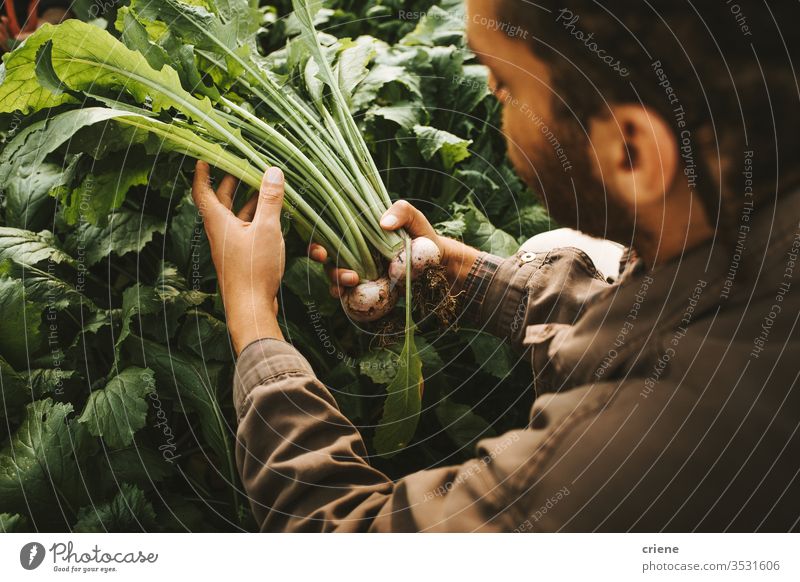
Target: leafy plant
114	358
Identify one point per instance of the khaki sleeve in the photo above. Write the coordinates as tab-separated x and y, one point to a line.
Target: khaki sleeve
304	465
506	296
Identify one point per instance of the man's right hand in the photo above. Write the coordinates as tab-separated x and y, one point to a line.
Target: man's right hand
457	258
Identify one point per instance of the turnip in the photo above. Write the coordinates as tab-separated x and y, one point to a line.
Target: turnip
374	300
424	254
370	301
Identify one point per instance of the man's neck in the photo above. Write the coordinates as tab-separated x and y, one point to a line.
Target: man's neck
668	232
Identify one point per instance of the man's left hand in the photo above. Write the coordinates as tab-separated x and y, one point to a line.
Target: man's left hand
248	252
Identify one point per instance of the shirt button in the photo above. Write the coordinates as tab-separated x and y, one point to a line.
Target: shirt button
527	257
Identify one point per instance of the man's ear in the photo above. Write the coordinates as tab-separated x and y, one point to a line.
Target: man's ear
636	153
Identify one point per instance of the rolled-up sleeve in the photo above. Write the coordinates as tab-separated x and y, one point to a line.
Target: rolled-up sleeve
304	466
506	296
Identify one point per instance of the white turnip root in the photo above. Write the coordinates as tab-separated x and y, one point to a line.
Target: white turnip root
424	254
370	301
374	300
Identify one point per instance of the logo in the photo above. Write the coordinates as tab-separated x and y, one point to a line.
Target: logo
31	555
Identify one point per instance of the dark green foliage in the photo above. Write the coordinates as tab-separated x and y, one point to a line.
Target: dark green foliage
115	365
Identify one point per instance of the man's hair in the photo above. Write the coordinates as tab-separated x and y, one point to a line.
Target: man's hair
728	64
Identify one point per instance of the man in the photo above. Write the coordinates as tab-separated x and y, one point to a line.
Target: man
665	401
20	18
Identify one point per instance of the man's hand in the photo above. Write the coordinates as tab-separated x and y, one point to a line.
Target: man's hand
457	258
248	252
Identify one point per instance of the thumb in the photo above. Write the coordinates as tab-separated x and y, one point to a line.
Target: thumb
270	197
403	215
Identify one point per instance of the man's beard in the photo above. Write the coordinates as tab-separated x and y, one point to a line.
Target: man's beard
574	198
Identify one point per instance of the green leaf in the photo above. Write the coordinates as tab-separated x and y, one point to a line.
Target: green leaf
381	365
403	403
205	336
452	149
461	424
207	25
470	88
352	65
88	59
530	221
18	389
381	75
402	407
20	337
26	174
102	191
129	511
43	381
127	231
44	287
437	27
137	299
117	411
194	385
20	89
10	523
134	34
479	232
343	383
136	465
29	248
39	457
187	243
492	353
407	115
306	279
13	389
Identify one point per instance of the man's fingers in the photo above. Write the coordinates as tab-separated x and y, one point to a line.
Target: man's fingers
226	190
404	215
248	211
203	194
270	197
341	280
317	253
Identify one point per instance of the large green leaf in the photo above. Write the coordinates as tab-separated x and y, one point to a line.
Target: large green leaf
493	354
306	279
39	459
10	523
403	403
127	231
20	336
476	230
88	59
29	248
20	388
451	148
205	336
19	88
26	173
44	286
194	386
104	190
117	411
437	27
129	511
13	389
